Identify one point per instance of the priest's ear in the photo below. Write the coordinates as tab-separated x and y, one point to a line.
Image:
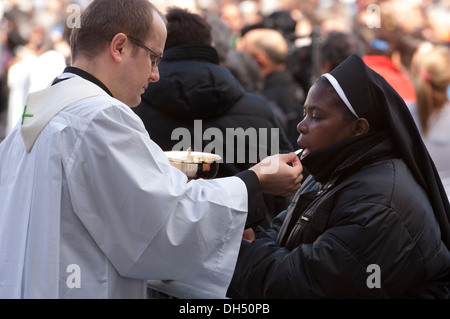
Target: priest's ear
360	126
117	46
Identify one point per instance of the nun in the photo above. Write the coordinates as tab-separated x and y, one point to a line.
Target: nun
371	220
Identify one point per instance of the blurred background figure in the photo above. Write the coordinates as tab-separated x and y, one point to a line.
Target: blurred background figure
269	49
337	47
221	36
383	56
251	13
34	68
34	50
432	110
246	71
231	14
403	27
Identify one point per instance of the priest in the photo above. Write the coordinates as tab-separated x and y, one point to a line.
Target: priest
90	206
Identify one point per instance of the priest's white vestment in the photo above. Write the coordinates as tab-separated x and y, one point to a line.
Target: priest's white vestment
91	208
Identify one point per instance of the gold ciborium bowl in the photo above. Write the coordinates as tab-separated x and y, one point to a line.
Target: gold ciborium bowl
195	164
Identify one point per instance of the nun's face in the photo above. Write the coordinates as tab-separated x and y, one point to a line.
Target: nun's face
323	124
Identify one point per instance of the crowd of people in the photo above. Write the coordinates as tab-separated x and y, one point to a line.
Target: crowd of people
294	42
361	86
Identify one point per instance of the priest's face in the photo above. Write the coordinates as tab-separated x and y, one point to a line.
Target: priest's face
140	68
325	122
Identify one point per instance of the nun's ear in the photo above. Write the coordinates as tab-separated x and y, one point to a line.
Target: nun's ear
361	126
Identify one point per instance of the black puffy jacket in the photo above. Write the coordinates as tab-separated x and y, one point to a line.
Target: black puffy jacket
369	232
196	96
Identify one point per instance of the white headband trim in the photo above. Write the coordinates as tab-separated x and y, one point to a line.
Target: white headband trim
337	87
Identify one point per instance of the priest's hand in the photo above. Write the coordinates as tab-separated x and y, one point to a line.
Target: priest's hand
280	174
249	235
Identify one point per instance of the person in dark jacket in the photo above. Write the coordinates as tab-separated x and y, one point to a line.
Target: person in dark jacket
199	104
269	49
371	220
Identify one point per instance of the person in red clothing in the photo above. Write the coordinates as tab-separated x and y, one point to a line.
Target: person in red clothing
384	66
383	57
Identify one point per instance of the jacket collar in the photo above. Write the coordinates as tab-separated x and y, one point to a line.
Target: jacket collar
196	52
348	156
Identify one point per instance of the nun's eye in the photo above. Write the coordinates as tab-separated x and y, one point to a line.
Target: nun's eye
315	116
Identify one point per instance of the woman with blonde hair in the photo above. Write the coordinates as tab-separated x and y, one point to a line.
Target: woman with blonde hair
432	111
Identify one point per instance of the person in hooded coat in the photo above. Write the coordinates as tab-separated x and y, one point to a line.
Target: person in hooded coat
197	96
372	218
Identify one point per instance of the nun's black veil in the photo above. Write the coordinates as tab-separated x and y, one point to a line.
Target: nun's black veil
374	99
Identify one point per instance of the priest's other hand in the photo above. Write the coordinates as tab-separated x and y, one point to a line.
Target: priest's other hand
280	174
249	235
